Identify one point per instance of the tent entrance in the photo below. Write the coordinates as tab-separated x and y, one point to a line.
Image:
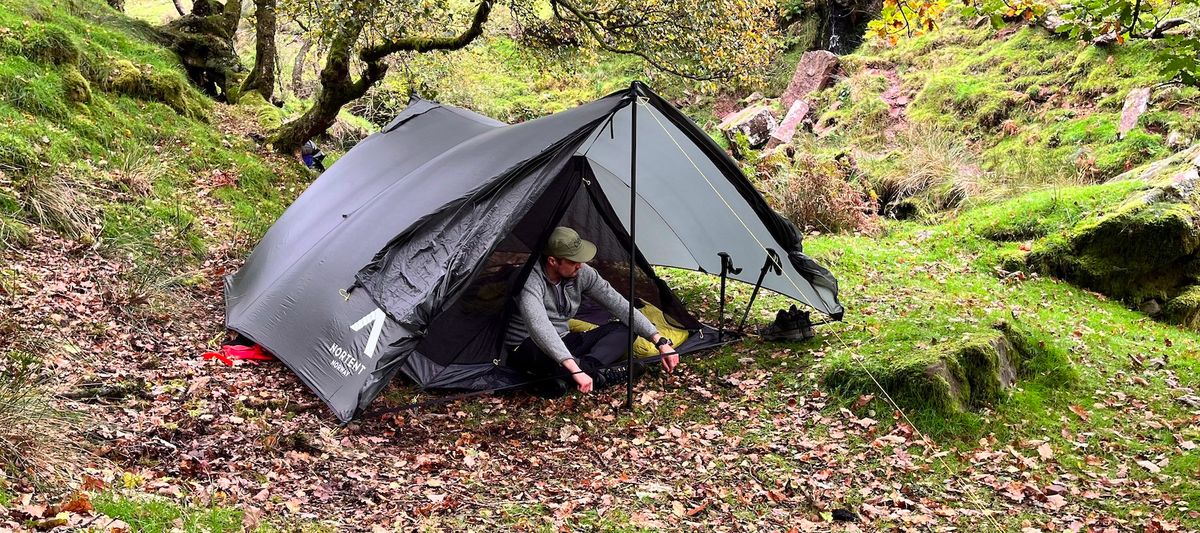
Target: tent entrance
466	340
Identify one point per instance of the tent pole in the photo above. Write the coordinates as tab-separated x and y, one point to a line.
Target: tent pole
772	264
632	246
726	268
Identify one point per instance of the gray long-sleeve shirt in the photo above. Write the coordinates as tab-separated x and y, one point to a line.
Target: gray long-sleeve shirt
543	309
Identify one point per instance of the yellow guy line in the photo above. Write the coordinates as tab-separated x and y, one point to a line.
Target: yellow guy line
979	507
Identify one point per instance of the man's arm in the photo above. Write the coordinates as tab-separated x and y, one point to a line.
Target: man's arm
603	293
533	311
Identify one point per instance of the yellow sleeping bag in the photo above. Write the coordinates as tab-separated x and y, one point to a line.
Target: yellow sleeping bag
643	347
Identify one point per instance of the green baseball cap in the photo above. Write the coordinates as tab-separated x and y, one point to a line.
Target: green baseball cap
565	243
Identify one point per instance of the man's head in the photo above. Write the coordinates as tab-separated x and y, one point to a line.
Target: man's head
566	252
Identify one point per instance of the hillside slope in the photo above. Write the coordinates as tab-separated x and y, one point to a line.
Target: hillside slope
126	196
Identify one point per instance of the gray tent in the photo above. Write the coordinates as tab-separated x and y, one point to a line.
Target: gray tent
401	257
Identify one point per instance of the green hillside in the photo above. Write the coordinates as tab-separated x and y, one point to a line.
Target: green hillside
997	244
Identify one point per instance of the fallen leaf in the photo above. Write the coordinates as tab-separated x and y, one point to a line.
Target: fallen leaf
1079	411
1153	468
862	401
698	509
1055	502
1045	451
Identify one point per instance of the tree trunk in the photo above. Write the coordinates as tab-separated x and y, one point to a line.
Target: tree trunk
203	40
337	88
298	67
179	7
262	77
118	5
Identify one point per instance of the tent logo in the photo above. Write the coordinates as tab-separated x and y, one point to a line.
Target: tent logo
375	318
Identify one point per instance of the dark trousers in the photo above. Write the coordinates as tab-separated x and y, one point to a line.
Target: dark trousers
593	350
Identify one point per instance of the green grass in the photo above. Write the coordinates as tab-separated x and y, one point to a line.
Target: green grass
136	151
151	514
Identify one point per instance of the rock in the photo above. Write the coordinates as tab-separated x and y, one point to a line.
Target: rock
813	73
751	126
971	372
1052	22
1184	309
1175	141
753	98
1135	105
75	87
1151	307
796	115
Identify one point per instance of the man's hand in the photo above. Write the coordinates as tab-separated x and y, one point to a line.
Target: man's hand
584	382
670	357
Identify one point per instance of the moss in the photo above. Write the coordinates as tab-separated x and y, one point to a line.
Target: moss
16	153
1184	309
75	87
967	373
1139	250
267	114
51	44
146	82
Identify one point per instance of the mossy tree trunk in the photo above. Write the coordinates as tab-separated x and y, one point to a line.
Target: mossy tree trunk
118	5
262	76
338	87
298	67
203	40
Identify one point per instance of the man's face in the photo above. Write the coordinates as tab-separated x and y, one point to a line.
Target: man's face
565	268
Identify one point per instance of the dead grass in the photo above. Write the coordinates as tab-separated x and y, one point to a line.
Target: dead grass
58	201
936	171
33	445
822	195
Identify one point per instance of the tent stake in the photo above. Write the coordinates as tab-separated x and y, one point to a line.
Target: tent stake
726	269
633	88
771	264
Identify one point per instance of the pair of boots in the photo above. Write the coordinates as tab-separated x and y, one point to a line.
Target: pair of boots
789	325
602	378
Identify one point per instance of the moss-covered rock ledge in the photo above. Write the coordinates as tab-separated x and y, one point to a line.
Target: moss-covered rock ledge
1143	249
966	374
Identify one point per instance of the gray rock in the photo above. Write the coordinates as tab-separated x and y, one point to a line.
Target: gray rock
755	122
1151	307
813	73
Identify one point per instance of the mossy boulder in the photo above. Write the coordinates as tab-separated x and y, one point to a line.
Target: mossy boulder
1184	309
1143	248
965	374
51	44
145	82
75	87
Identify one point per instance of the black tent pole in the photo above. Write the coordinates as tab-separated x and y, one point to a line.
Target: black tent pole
633	88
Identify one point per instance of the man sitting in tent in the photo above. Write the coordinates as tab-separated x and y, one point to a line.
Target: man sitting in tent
539	341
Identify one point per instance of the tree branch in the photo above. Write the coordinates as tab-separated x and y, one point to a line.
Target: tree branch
424	44
589	24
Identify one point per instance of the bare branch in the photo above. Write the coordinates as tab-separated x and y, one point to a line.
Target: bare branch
425	44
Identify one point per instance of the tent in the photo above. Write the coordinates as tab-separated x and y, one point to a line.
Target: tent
403	255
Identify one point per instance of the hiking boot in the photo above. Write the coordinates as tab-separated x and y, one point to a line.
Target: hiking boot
616	375
549	388
789	325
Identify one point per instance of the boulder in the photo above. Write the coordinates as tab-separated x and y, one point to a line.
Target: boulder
972	372
813	73
1145	247
796	115
1135	105
750	127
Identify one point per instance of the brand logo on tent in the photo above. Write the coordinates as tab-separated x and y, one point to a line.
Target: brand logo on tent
376	319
